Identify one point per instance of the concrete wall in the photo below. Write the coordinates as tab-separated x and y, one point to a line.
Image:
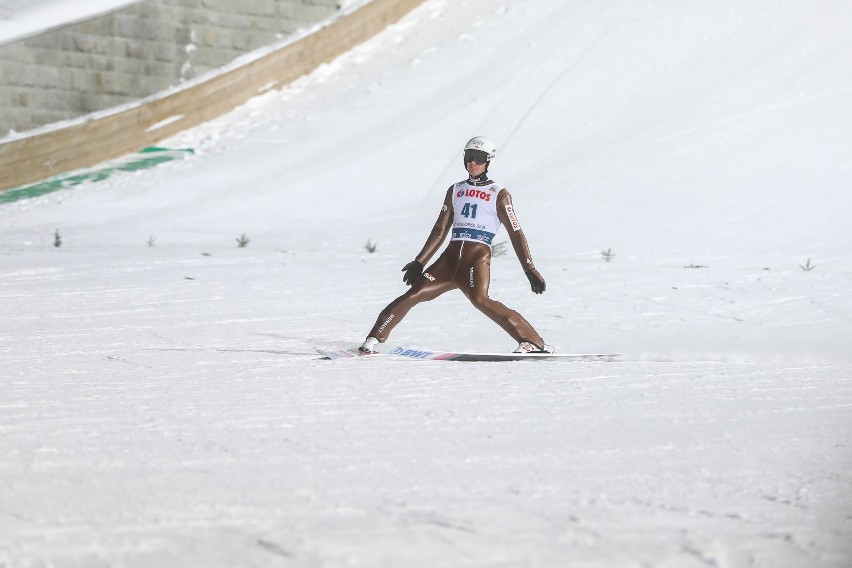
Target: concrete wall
135	52
105	135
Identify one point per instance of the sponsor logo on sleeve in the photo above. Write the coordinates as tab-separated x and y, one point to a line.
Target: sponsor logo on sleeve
513	219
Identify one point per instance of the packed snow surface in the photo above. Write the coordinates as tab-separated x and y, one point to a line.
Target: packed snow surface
161	403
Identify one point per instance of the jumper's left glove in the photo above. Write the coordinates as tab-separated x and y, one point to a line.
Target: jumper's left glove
536	281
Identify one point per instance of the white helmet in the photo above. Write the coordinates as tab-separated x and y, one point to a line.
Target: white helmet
484	144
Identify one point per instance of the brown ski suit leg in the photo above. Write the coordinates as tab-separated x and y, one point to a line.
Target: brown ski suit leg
463	265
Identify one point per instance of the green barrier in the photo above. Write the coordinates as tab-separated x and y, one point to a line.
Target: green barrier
146	158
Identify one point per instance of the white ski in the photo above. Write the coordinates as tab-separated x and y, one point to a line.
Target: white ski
426	355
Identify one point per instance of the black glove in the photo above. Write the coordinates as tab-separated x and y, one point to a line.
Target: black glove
413	270
536	281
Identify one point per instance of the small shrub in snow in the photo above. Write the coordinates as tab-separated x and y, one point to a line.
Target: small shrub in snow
57	239
608	255
243	241
807	267
151	241
370	247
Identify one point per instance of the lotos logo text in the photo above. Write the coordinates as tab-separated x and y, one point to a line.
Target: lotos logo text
478	193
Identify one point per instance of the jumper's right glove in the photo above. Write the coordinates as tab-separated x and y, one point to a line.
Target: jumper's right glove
413	270
536	281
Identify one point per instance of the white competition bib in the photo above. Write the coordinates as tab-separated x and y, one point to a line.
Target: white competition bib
475	212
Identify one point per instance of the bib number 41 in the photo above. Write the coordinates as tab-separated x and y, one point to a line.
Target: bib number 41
469	210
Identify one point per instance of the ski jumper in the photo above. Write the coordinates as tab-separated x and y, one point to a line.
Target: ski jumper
474	210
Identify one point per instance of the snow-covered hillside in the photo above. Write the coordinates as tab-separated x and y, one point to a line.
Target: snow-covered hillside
23	18
162	405
20	19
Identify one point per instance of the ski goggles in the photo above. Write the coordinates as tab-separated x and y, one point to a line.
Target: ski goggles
477	156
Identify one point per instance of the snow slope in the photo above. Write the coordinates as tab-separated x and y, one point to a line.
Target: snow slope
20	19
162	405
23	18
